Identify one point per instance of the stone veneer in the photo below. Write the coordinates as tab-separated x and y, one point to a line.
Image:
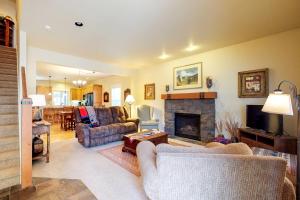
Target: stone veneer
204	107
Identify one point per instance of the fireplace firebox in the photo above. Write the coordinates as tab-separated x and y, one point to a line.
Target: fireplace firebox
188	125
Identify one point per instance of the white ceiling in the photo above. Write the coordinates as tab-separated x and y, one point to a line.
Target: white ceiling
58	73
133	33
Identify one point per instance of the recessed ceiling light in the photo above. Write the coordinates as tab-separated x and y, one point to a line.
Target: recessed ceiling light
164	56
79	24
47	27
192	47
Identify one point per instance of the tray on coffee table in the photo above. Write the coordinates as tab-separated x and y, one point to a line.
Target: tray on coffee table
131	140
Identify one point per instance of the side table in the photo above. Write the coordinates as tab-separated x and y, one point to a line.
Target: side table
131	140
38	129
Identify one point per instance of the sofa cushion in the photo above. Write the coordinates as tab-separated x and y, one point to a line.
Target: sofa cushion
101	131
234	148
104	116
118	114
118	128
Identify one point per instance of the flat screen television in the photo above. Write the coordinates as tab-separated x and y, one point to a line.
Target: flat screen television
256	119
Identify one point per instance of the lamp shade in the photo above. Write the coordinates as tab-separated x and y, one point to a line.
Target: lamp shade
129	99
38	100
279	104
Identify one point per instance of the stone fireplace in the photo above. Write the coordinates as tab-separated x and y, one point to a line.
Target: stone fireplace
188	125
190	115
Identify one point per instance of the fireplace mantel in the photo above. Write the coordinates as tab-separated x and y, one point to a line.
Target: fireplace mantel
195	95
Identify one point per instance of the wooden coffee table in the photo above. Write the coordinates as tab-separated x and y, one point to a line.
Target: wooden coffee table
131	140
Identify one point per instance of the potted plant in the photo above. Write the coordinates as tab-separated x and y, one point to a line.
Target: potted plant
220	137
232	127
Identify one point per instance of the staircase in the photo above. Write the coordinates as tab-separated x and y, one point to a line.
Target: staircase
9	122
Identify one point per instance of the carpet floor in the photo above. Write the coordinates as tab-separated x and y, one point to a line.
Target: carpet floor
103	177
127	160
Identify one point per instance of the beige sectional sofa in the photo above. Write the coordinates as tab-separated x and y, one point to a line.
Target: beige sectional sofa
228	172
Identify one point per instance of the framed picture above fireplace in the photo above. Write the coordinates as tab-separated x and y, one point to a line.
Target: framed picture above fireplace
254	83
188	76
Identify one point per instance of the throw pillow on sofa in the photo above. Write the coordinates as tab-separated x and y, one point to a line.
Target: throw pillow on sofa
118	114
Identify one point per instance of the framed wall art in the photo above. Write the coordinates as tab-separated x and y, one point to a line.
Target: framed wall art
149	92
188	76
106	97
253	84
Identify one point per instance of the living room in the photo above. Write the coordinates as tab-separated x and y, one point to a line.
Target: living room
203	76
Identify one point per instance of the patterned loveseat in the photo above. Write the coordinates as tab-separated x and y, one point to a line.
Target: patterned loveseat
113	124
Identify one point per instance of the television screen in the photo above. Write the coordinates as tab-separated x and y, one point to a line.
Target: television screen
256	119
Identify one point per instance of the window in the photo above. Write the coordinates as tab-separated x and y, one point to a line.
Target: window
59	98
116	96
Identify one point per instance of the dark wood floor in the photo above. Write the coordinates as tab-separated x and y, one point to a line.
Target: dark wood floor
55	189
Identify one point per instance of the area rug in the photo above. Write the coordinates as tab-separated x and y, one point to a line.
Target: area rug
127	160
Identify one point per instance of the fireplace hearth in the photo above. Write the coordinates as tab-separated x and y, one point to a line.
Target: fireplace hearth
188	125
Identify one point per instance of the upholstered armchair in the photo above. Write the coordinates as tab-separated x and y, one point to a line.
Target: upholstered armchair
145	115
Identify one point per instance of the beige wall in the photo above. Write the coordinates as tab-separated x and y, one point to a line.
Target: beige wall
8	8
280	53
57	86
114	81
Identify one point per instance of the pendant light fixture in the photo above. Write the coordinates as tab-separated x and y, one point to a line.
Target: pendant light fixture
49	87
79	83
65	94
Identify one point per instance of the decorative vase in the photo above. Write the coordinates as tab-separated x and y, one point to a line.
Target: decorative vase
37	146
167	88
209	82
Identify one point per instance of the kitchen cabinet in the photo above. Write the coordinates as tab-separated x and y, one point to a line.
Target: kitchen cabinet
76	94
97	92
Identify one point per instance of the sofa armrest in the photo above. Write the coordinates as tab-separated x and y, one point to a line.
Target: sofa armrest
136	121
83	134
288	190
146	154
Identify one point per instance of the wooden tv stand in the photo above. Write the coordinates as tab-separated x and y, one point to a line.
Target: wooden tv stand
259	138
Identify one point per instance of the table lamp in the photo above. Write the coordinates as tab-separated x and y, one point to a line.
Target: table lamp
38	101
129	100
281	103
